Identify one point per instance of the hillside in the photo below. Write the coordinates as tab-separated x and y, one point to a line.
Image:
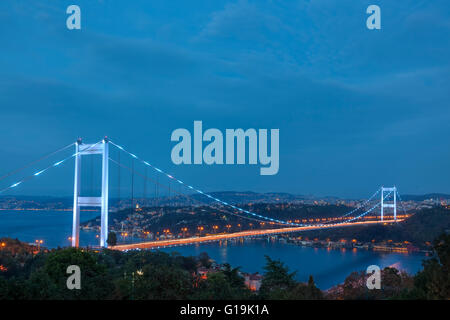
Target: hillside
422	227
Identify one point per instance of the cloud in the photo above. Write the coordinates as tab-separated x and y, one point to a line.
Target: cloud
338	92
241	21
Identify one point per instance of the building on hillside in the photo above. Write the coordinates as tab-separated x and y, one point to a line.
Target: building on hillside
253	281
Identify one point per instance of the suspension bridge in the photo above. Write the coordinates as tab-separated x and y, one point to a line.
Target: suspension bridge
357	216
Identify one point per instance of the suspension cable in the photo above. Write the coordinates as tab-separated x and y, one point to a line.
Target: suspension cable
45	169
401	202
201	192
187	196
370	210
219	200
35	161
360	206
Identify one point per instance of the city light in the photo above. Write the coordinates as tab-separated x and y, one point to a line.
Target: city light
226	236
258	216
39	242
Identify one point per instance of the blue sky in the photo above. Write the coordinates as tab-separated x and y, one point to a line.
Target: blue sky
356	108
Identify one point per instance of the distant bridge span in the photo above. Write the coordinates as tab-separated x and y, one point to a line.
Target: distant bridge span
242	234
102	148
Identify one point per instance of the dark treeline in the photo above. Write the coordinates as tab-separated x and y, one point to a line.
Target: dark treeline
107	274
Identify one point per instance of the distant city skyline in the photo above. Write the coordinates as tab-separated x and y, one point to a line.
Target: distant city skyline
355	108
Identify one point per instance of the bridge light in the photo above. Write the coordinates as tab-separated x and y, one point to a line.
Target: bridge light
38	173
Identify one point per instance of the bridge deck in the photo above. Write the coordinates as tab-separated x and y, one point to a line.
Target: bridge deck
248	233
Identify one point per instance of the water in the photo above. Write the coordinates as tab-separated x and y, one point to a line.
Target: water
329	267
53	227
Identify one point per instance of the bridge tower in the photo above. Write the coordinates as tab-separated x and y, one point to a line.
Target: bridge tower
102	201
389	205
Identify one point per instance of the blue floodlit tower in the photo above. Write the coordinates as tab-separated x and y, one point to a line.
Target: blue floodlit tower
82	150
389	205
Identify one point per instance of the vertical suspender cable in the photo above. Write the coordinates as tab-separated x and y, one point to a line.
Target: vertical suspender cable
145	185
92	176
132	185
118	181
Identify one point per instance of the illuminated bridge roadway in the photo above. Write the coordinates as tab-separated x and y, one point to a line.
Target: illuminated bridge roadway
102	147
242	234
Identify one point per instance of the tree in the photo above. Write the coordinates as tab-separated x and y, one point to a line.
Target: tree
161	283
233	276
204	259
314	293
49	281
112	239
304	291
187	263
277	280
433	282
222	285
216	287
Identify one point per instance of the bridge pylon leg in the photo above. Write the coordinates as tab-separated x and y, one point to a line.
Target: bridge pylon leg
102	201
392	205
76	193
382	204
395	203
104	214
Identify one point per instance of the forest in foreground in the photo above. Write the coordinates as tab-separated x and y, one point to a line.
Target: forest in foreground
30	274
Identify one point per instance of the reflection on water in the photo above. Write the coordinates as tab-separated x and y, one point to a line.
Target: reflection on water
329	267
